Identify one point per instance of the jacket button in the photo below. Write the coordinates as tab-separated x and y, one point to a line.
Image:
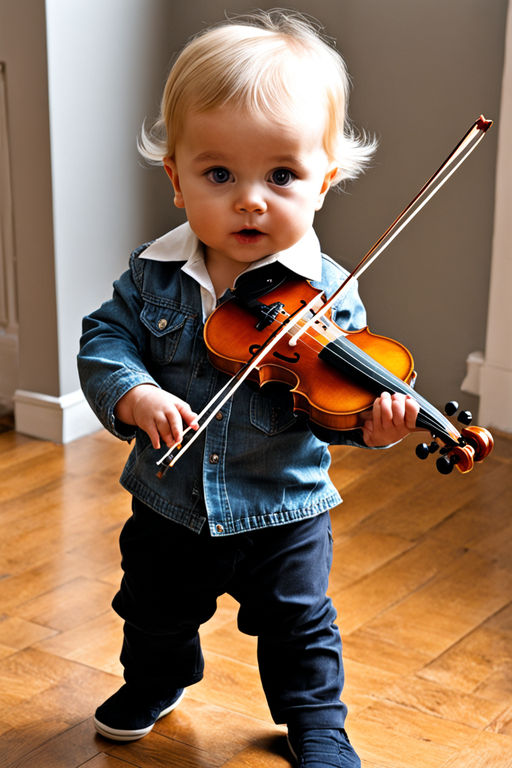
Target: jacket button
219	528
219	416
162	323
214	458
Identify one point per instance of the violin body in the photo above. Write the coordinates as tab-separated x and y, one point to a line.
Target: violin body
327	396
333	375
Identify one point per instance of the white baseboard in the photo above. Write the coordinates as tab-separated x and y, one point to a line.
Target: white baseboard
59	419
474	363
493	385
496	397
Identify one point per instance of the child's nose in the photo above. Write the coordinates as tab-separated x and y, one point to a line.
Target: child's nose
251	200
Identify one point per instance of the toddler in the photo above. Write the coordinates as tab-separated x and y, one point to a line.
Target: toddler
252	134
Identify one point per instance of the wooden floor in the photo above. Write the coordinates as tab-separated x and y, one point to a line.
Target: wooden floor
422	581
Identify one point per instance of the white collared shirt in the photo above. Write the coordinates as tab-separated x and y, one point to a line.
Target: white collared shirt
181	244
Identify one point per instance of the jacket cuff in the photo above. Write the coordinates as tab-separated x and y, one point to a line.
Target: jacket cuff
113	388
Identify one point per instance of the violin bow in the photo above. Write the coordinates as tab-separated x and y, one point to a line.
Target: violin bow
457	156
233	383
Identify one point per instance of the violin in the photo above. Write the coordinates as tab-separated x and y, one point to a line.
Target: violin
334	375
284	332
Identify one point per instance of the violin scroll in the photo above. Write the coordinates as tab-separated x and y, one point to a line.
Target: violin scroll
473	445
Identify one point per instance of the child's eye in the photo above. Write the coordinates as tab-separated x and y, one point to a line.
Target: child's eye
219	175
282	177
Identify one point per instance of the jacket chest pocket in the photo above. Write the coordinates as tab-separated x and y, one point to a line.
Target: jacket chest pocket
165	326
271	409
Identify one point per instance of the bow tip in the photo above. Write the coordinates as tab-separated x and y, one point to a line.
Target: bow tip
483	124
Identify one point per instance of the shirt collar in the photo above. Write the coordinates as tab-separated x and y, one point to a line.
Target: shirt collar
182	245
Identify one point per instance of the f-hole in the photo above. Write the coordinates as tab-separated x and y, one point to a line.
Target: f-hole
255	348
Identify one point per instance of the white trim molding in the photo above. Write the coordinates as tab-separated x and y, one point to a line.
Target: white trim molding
472	380
59	419
493	380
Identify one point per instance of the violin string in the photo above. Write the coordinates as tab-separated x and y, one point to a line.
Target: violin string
407	215
200	415
391	382
433	419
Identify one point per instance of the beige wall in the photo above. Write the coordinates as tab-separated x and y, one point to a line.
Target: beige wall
422	71
23	50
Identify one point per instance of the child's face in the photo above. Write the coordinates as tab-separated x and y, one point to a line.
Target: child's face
250	186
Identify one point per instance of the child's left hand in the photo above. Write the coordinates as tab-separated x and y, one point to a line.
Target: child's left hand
391	418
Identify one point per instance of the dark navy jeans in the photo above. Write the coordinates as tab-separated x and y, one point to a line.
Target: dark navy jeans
279	575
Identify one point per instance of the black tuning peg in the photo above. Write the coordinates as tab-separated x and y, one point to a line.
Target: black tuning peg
465	417
422	451
451	407
445	464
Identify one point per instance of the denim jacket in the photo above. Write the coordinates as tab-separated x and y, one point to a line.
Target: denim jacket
257	464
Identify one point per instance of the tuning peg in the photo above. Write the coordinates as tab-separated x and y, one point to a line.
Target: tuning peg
465	417
445	464
451	407
422	451
433	447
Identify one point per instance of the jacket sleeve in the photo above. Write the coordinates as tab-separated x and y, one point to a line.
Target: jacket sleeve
111	357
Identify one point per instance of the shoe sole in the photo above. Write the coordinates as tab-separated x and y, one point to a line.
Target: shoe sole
118	734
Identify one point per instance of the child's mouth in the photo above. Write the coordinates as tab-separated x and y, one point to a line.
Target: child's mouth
245	236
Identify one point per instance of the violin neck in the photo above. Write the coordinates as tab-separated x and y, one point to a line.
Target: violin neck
352	361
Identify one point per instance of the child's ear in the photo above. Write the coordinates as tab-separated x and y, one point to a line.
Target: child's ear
326	185
171	170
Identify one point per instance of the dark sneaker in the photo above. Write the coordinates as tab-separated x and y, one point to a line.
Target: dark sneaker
322	748
130	714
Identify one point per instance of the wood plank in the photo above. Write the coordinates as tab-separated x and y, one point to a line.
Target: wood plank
443	611
69	605
17	743
71	748
384	655
96	642
363	684
383	747
426	697
232	684
156	751
474	659
75	697
372	594
107	761
203	726
15	633
361	552
28	672
485	749
420	725
271	752
502	723
30	582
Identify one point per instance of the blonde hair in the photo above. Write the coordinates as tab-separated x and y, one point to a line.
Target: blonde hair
251	63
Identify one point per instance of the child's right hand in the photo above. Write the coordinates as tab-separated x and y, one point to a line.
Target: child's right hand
159	413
